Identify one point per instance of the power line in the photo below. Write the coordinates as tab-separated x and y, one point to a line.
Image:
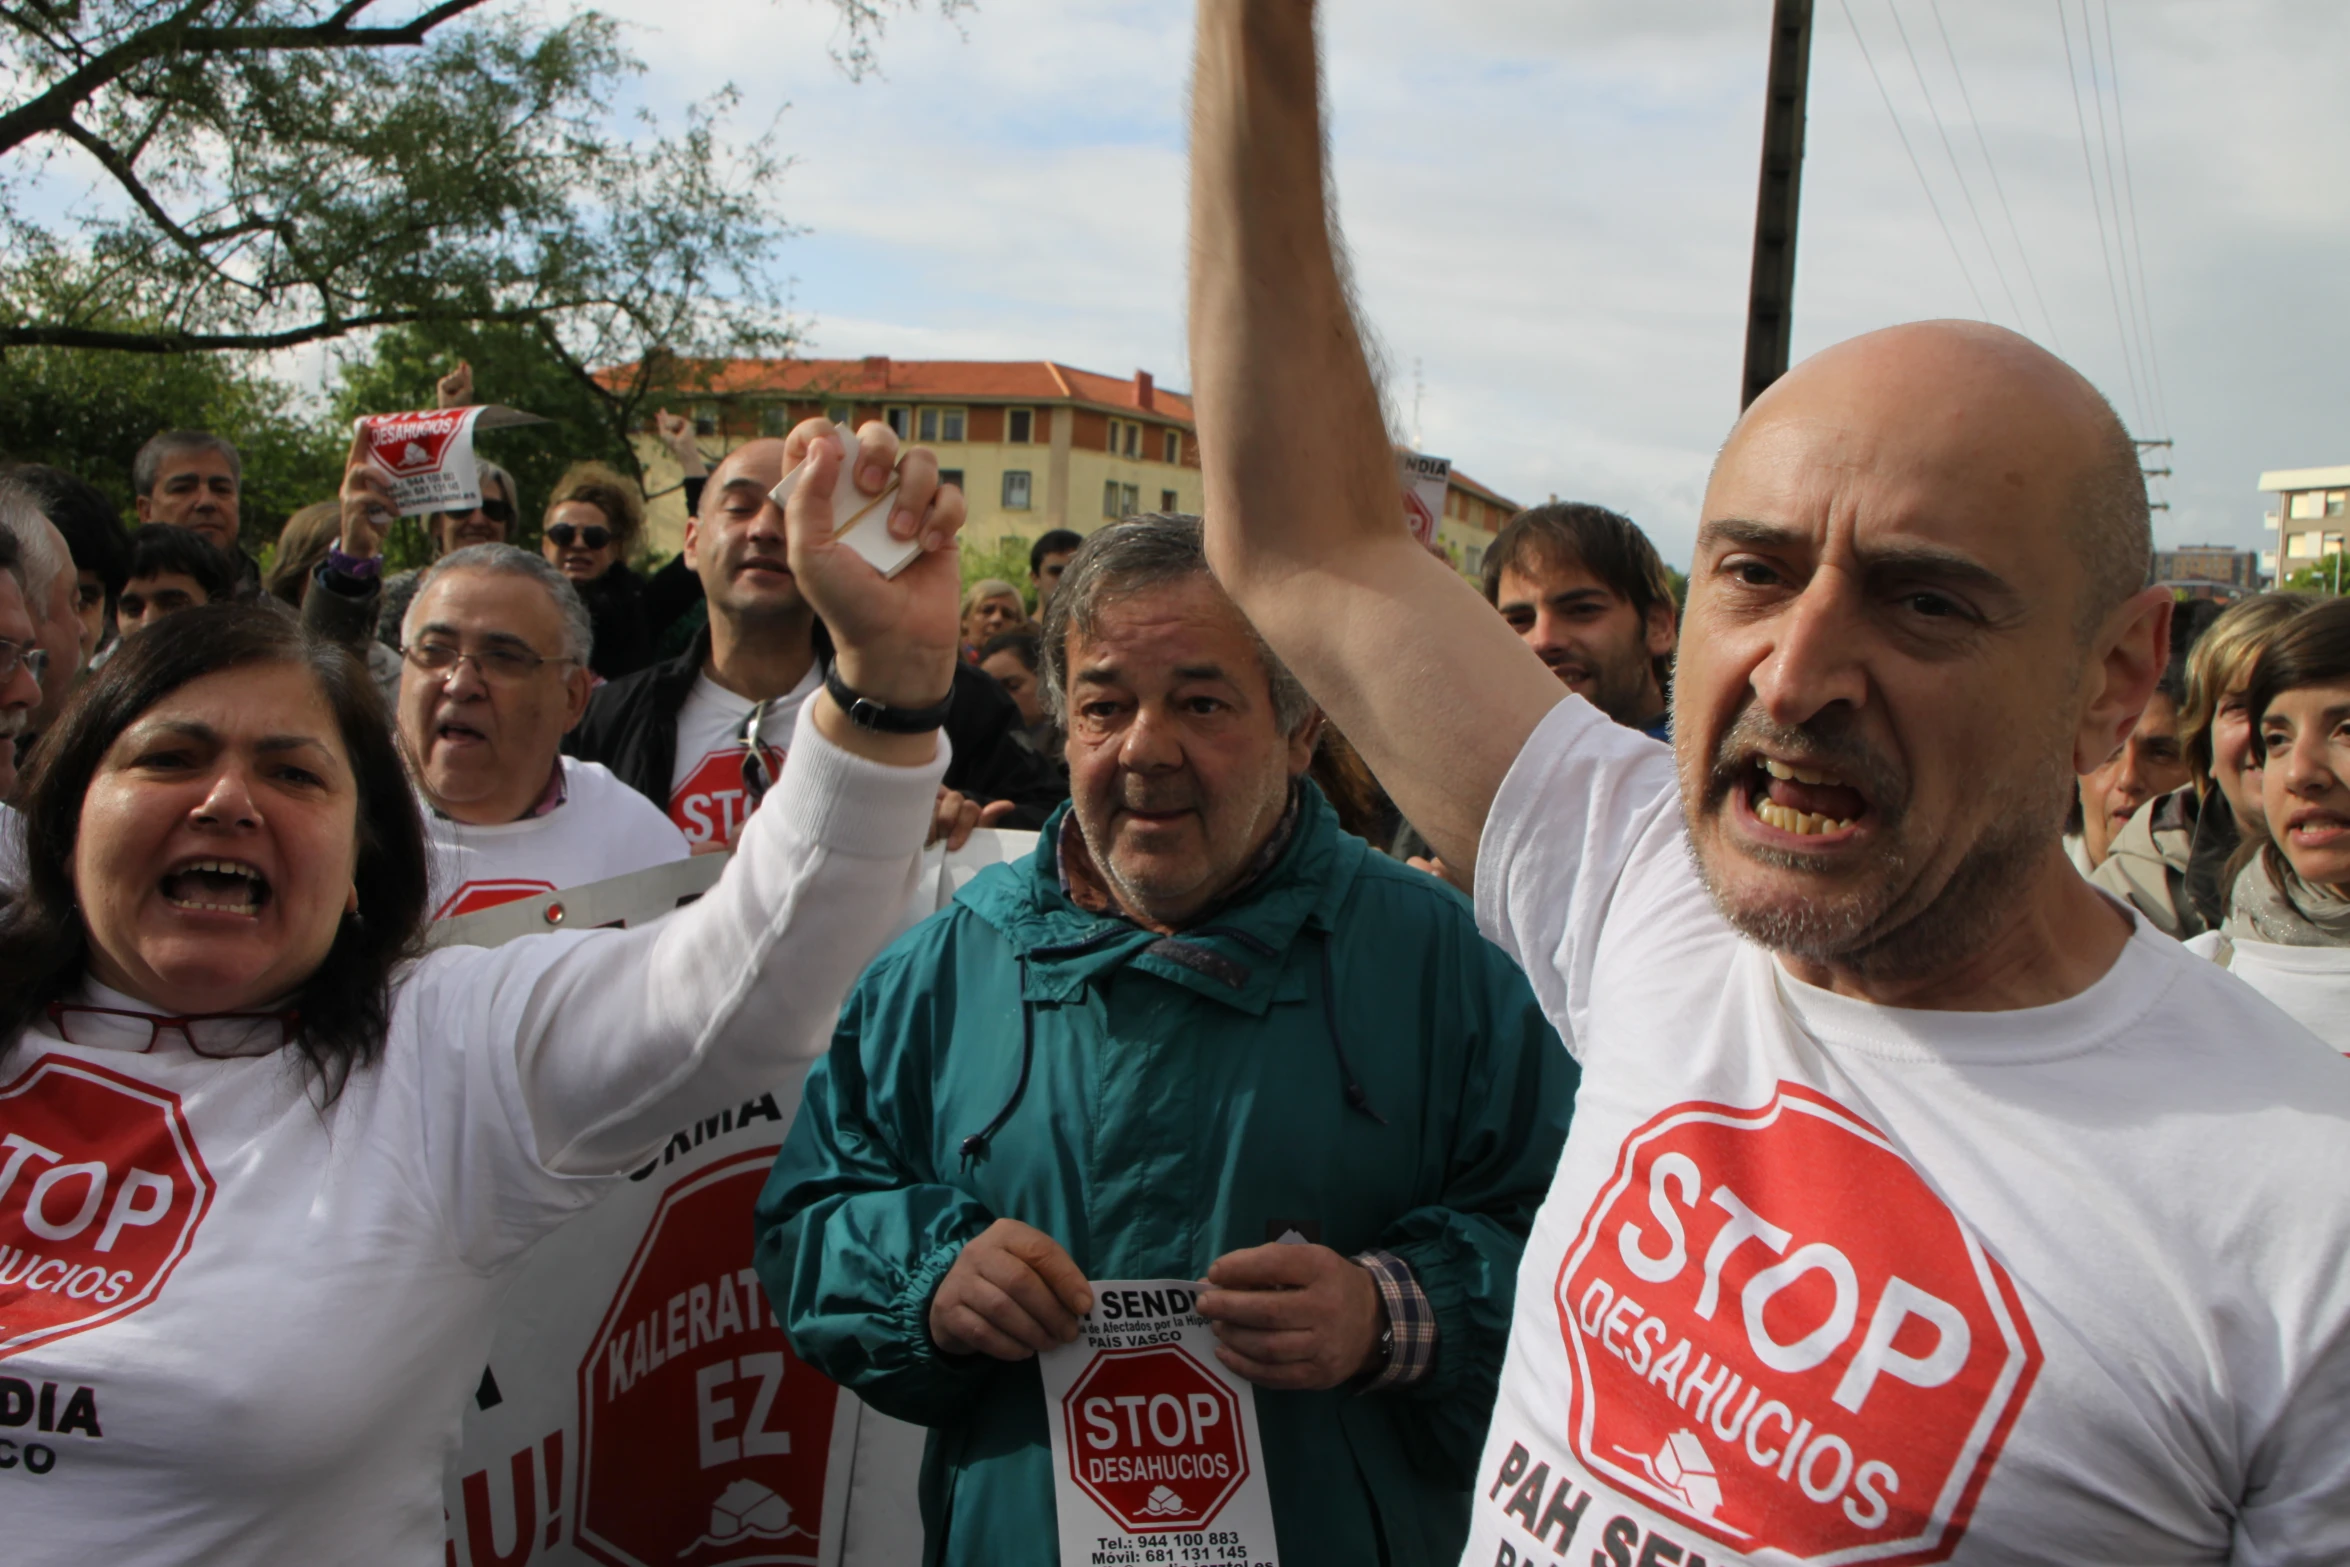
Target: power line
2014	232
2113	197
1958	174
2089	167
2129	189
1952	240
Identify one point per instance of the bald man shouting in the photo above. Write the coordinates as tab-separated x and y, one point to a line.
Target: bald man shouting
1920	1205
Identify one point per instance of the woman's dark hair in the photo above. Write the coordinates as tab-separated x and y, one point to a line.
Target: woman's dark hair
346	1003
2311	649
1021	642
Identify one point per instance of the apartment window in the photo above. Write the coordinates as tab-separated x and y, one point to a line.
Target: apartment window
1116	425
1110	500
705	418
1173	441
2308	503
1169	501
952	423
1129	500
2334	500
1016	489
1020	429
775	419
900	420
837	413
953	476
1134	440
926	422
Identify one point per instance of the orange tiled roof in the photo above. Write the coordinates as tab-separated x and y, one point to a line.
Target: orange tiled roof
881	377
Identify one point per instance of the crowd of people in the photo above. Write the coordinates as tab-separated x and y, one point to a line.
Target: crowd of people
1847	1065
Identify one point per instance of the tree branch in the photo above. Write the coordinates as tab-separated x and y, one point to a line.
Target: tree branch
37	335
178	36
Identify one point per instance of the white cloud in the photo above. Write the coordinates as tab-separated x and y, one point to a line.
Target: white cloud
1550	207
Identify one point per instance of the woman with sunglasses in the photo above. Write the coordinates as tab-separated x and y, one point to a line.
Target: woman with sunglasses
2287	932
266	1167
592	523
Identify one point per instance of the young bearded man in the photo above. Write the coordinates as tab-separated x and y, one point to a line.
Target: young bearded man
1920	1205
1585	590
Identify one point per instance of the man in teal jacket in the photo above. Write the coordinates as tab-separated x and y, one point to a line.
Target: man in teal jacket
1198	1016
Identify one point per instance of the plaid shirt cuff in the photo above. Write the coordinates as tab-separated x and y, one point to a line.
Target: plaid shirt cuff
1408	1315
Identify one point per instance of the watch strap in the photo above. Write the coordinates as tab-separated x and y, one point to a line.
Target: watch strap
879	717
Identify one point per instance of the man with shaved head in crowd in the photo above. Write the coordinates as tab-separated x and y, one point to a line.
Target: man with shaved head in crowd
1920	1202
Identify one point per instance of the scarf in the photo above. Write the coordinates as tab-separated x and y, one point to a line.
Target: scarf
2273	904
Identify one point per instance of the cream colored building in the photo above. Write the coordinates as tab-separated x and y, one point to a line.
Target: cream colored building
2311	519
1035	445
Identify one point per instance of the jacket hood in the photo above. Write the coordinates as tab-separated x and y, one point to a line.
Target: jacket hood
1233	956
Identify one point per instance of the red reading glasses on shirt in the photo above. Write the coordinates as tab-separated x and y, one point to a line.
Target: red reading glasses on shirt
213	1035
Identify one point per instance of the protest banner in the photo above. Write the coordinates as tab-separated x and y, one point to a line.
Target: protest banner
1426	481
640	1404
1156	1456
429	453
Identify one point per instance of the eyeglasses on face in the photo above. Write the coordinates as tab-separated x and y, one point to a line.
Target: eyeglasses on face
566	534
33	660
491	507
214	1035
500	662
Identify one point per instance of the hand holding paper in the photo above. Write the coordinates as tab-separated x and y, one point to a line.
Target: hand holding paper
1291	1316
1012	1293
366	496
894	628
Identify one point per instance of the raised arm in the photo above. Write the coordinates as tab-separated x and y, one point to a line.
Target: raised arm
618	1038
1304	516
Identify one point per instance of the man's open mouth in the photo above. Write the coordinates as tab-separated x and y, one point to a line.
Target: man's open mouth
1805	801
216	887
454	733
763	563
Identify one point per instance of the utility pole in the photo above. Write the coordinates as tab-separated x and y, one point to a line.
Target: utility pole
1770	293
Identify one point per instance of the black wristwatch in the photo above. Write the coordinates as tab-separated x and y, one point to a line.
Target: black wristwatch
882	719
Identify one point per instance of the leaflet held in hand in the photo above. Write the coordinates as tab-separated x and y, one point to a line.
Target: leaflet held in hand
1156	1456
429	453
859	520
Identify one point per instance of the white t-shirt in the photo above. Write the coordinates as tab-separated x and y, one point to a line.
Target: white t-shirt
603	828
240	1327
1825	1281
706	796
2311	985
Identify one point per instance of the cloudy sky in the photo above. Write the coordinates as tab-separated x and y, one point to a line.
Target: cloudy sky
1550	206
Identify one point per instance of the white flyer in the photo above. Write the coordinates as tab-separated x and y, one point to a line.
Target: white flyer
859	521
1156	1457
429	453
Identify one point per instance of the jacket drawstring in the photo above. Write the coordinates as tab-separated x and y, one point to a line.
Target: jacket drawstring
976	1146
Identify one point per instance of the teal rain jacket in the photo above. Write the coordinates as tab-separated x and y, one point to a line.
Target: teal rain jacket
1339	1045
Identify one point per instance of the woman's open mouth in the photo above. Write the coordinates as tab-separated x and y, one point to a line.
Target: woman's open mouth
1802	801
216	887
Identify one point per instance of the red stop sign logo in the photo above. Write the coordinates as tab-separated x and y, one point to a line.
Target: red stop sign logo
1783	1335
704	1440
101	1190
411	443
1154	1437
712	804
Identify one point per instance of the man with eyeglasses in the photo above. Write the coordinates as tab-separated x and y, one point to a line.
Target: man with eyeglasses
50	592
21	661
494	647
